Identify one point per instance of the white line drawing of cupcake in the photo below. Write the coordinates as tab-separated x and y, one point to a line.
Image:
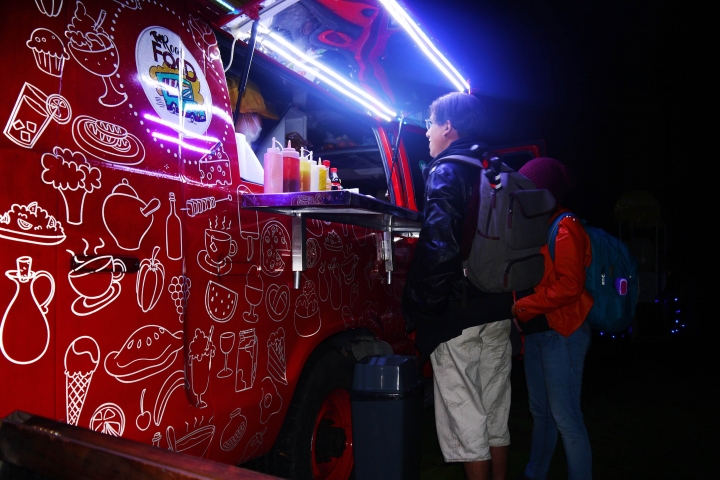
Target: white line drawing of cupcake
49	51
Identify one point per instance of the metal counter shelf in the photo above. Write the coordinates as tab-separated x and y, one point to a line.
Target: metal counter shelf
339	206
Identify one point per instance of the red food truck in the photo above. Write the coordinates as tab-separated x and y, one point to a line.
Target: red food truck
153	290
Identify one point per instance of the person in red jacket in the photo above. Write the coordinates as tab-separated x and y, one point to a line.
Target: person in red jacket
557	338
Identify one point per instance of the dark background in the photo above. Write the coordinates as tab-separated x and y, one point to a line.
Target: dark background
614	90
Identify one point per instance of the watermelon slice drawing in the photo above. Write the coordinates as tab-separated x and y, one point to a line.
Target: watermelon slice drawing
220	302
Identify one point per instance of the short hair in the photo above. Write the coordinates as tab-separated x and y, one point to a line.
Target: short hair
465	111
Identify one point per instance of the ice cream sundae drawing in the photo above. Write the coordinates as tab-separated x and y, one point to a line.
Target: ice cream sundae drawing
95	51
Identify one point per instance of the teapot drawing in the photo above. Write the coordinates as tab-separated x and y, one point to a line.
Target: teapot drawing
24	331
127	217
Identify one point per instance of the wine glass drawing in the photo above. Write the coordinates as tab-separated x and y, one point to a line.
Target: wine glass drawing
253	294
227	342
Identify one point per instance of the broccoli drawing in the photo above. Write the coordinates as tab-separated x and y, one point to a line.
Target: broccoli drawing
71	174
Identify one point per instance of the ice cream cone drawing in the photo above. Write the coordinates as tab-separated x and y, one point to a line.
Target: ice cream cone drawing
70	173
81	360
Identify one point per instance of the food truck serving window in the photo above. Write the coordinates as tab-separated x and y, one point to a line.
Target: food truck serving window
274	111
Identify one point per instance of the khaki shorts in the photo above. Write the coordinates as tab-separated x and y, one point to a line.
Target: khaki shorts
472	392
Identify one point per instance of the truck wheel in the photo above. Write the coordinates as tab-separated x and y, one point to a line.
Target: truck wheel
315	442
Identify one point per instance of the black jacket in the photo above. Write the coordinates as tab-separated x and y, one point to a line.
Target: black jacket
438	301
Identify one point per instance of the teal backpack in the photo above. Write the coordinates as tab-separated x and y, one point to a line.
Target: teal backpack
611	279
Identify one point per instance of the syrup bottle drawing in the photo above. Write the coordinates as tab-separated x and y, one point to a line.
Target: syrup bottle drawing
24	331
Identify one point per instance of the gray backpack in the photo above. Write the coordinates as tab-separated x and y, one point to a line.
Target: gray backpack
512	225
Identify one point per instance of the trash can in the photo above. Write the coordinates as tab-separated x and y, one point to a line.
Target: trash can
387	404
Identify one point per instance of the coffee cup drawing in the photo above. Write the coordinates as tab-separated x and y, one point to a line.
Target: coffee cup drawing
219	247
97	282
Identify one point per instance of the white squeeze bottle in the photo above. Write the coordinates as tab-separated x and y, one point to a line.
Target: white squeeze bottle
273	169
314	173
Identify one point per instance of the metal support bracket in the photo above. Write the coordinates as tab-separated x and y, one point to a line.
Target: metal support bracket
299	258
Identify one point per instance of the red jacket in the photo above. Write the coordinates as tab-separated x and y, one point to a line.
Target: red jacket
561	295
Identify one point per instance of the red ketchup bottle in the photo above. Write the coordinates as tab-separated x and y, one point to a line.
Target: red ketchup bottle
291	169
335	179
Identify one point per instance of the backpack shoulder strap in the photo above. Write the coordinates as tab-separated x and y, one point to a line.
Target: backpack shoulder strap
552	233
463	159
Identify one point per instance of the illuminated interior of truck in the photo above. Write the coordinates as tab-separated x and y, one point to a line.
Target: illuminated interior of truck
375	49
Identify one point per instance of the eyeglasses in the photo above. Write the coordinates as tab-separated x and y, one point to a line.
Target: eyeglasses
428	123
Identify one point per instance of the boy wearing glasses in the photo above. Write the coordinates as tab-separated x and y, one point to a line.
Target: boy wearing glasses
464	331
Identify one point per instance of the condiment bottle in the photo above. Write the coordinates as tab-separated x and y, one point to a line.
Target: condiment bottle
322	175
291	169
273	166
314	175
304	171
328	183
334	179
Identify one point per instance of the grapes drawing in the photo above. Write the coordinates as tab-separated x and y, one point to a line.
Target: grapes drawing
179	289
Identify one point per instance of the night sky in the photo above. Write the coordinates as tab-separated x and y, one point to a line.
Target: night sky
610	87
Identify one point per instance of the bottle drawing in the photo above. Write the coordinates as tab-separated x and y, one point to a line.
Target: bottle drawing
173	232
24	331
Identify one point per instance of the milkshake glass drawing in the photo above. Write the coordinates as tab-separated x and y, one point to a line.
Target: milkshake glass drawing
202	350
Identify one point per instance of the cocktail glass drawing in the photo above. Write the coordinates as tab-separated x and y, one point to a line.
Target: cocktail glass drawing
227	342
